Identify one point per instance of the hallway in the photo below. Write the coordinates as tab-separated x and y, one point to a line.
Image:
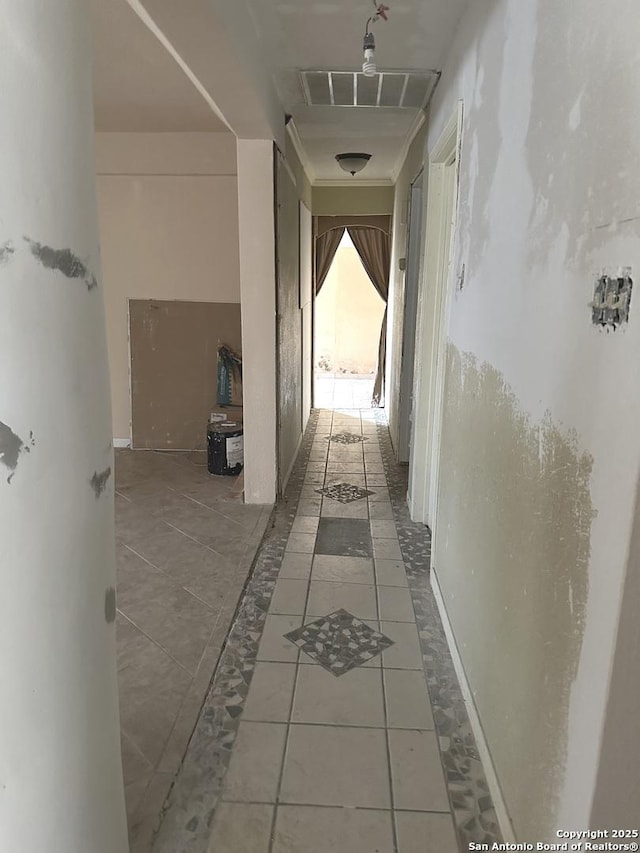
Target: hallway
334	721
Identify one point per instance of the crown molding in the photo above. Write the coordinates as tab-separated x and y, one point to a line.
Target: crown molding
294	136
408	142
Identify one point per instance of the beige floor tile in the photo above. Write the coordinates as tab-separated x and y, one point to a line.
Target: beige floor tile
340	468
345	569
353	479
301	543
305	524
358	599
416	771
380	495
381	509
374	480
255	763
273	646
310	506
241	828
391	573
296	566
308	829
333	766
425	833
335	509
270	692
405	652
395	605
289	597
408	705
352	699
386	549
382	529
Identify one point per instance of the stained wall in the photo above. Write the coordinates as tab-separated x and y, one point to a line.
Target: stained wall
540	448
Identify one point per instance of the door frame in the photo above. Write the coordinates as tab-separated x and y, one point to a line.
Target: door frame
414	263
433	321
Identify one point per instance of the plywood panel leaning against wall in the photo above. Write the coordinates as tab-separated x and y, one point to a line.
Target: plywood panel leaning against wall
174	356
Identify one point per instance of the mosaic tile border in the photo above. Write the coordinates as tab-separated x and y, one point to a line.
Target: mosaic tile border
471	802
187	816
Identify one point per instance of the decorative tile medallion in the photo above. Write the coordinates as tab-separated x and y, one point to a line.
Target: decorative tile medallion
346	437
344	492
339	642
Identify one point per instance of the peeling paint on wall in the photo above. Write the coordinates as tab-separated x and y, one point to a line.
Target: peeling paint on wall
99	481
62	260
6	250
11	448
512	559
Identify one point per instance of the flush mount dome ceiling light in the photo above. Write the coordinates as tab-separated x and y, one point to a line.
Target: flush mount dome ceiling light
369	67
353	162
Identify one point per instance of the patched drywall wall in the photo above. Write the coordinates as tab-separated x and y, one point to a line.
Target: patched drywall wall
289	323
520	487
540	431
168	207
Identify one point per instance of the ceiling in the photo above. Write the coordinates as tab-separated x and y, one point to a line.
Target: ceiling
140	85
137	83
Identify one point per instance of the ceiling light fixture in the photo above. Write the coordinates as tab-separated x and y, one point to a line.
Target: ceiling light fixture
353	162
369	67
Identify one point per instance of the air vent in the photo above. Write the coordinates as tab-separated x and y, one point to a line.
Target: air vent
410	89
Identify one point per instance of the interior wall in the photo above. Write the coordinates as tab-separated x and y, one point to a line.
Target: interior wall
410	169
540	450
617	793
168	207
352	200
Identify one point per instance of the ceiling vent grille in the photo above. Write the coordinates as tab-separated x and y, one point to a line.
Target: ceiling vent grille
409	89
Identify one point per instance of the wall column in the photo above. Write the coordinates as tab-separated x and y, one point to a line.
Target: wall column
60	768
258	303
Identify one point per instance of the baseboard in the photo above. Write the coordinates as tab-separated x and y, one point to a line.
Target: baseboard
122	442
499	804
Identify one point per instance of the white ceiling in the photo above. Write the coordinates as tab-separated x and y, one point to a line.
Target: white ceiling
308	34
139	85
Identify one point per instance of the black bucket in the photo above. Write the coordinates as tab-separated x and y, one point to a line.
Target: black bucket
225	449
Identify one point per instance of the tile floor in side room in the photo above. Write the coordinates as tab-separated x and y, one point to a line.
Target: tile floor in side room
336	748
185	543
334	720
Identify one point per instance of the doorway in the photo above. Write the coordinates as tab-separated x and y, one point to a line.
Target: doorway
415	245
433	310
348	316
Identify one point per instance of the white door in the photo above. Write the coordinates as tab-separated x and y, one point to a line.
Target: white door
433	324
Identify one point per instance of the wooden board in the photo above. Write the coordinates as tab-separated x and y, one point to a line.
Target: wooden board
174	347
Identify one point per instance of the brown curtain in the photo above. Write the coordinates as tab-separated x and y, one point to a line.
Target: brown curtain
374	248
326	248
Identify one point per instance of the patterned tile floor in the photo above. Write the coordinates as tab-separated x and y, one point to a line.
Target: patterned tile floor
334	721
